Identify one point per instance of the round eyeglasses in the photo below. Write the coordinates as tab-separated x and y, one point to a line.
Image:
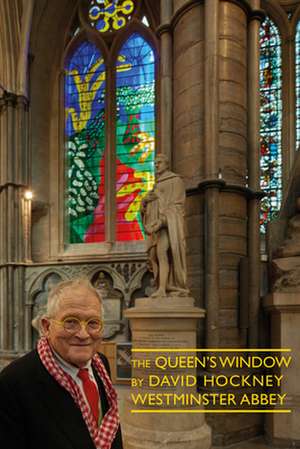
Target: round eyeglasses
72	324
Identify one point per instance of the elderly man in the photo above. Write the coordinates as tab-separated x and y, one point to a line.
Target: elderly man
60	396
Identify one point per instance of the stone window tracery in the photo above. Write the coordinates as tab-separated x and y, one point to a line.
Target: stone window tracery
110	15
109	130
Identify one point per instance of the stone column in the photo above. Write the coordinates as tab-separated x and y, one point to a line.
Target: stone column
225	188
188	128
254	171
211	145
188	90
166	75
14	220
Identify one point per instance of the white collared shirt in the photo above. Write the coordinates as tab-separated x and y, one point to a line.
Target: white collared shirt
73	372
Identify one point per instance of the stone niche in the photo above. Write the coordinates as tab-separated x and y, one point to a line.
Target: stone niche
112	304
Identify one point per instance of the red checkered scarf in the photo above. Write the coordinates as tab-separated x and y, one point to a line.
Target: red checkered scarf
104	435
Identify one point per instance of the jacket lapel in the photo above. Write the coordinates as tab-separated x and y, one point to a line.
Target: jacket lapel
63	412
102	393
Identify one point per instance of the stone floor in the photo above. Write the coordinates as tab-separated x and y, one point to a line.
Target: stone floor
255	443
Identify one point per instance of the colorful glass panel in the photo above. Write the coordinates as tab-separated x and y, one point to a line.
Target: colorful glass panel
135	133
270	121
110	15
297	46
84	135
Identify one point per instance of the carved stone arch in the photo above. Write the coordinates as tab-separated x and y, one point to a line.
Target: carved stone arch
85	35
36	284
118	280
135	26
110	285
152	10
36	301
295	20
136	283
278	15
22	70
50	27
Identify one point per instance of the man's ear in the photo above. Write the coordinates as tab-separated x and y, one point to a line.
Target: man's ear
45	325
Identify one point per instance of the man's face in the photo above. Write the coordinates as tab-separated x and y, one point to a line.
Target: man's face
80	347
161	165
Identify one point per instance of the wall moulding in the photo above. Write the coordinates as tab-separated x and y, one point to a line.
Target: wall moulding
258	14
9	98
289	2
243	4
183	10
228	188
165	28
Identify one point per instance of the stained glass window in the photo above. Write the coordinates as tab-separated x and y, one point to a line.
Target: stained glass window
135	133
110	15
270	121
297	44
84	136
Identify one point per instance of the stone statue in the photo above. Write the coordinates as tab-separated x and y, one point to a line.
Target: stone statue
111	303
102	284
291	246
285	268
163	220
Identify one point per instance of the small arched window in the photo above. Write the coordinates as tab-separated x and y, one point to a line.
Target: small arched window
270	121
110	122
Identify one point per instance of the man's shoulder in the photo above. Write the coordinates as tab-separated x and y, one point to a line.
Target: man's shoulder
105	362
21	367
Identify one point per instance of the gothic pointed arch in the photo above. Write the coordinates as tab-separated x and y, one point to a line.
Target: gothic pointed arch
110	127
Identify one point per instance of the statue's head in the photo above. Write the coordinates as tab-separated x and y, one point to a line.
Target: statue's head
161	163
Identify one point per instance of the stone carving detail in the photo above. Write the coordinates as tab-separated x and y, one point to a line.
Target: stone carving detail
163	219
285	269
285	275
40	299
112	304
288	282
126	270
77	270
118	280
146	288
291	245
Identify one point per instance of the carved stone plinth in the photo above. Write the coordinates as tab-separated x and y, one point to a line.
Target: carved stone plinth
284	307
285	274
163	323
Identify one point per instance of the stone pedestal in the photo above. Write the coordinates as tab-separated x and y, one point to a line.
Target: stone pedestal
163	323
283	429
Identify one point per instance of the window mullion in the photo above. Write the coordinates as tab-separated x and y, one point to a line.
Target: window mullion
110	157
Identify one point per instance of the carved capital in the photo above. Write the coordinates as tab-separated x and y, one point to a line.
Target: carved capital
165	28
257	14
11	99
